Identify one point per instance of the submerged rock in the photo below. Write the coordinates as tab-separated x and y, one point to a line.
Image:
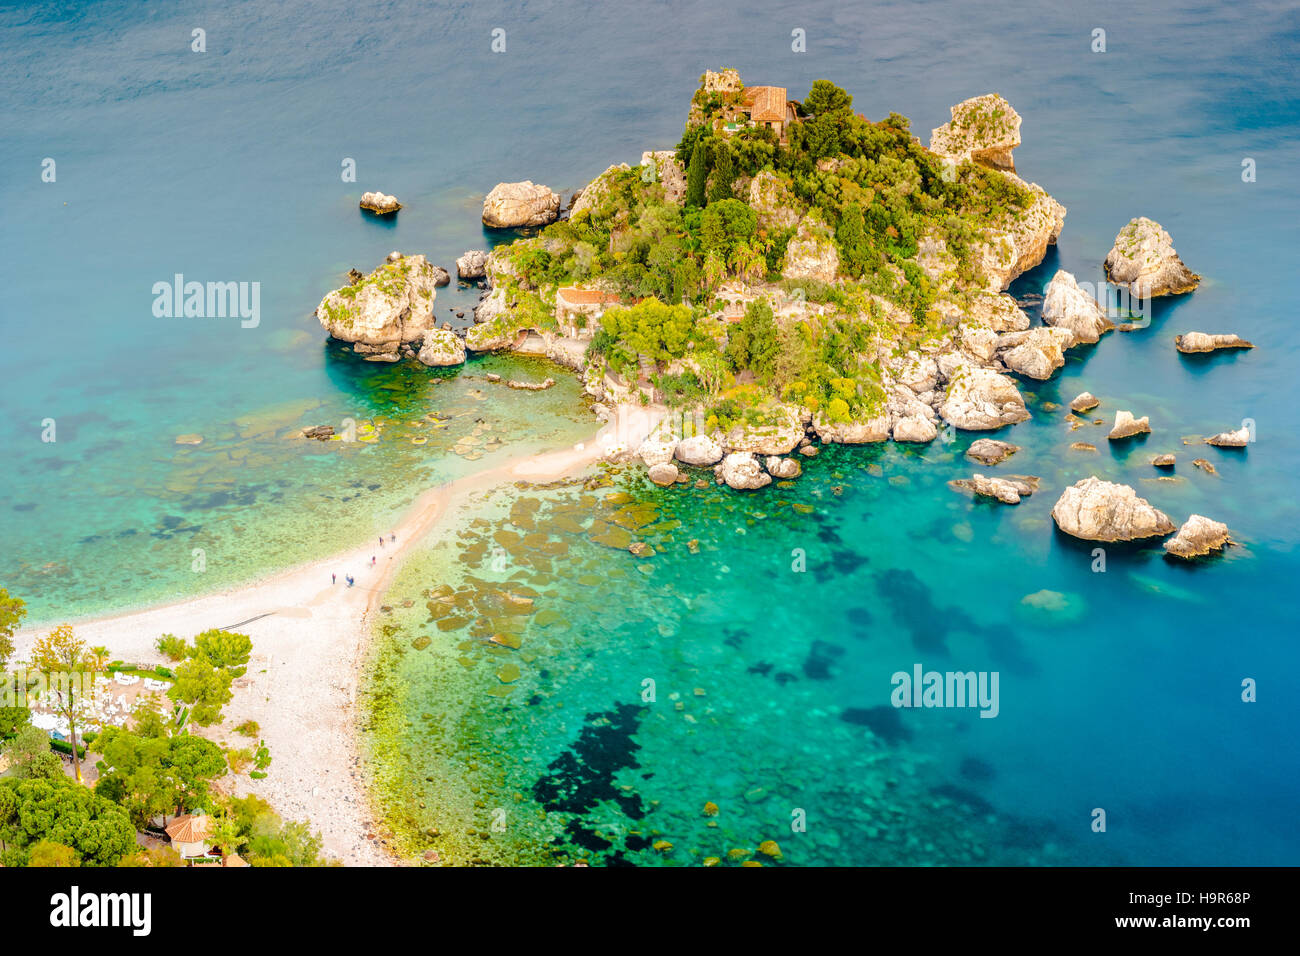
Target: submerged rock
1009	490
741	470
1198	536
1069	307
441	348
1126	426
380	203
515	205
1097	510
991	451
1143	258
1209	342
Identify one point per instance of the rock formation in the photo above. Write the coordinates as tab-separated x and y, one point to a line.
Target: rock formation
740	470
991	451
982	399
1209	342
1035	353
1143	258
1126	426
388	308
380	203
983	129
1067	306
1083	402
1097	510
441	348
472	265
515	205
699	450
1198	536
1235	439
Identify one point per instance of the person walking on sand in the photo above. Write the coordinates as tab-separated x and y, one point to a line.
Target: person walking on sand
392	537
334	579
381	540
372	560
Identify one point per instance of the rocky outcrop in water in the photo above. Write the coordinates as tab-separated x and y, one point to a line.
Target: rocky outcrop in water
783	468
1143	258
441	348
1008	489
1126	426
1097	510
1209	342
1233	439
1035	353
515	205
1083	402
384	310
472	265
664	474
379	203
741	470
982	399
983	129
1198	536
1069	307
990	451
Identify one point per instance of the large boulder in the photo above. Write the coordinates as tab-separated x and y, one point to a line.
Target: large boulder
472	265
996	310
514	205
983	129
1035	353
490	337
441	348
1069	307
1209	342
664	474
990	451
656	450
1097	510
699	450
1233	439
914	428
380	203
1198	536
811	252
381	312
741	470
1143	258
783	468
1008	490
981	399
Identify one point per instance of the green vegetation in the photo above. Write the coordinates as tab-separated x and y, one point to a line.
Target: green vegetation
866	192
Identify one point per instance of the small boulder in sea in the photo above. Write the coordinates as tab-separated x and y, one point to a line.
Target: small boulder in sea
741	470
664	474
1205	466
1190	342
1008	490
1082	446
440	276
1126	426
1143	258
784	468
380	203
440	349
1083	402
190	439
990	451
319	432
1236	439
1164	461
516	205
472	265
1198	536
1097	510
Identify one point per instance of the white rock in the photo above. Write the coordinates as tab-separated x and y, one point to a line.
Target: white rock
1143	258
1198	536
741	470
441	348
1069	307
514	205
472	265
1097	510
1126	426
699	450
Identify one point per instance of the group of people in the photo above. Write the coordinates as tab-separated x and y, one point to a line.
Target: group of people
334	578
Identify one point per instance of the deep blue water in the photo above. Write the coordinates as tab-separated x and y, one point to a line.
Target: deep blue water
225	166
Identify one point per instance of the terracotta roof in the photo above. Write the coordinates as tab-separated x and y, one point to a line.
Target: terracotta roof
577	296
766	103
234	860
190	829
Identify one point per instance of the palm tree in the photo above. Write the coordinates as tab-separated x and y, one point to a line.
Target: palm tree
100	653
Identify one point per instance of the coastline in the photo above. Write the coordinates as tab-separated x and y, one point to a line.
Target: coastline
310	641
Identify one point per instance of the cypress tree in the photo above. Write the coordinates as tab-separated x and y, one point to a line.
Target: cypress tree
724	173
697	173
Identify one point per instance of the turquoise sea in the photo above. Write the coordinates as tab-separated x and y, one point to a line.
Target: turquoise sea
1119	690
